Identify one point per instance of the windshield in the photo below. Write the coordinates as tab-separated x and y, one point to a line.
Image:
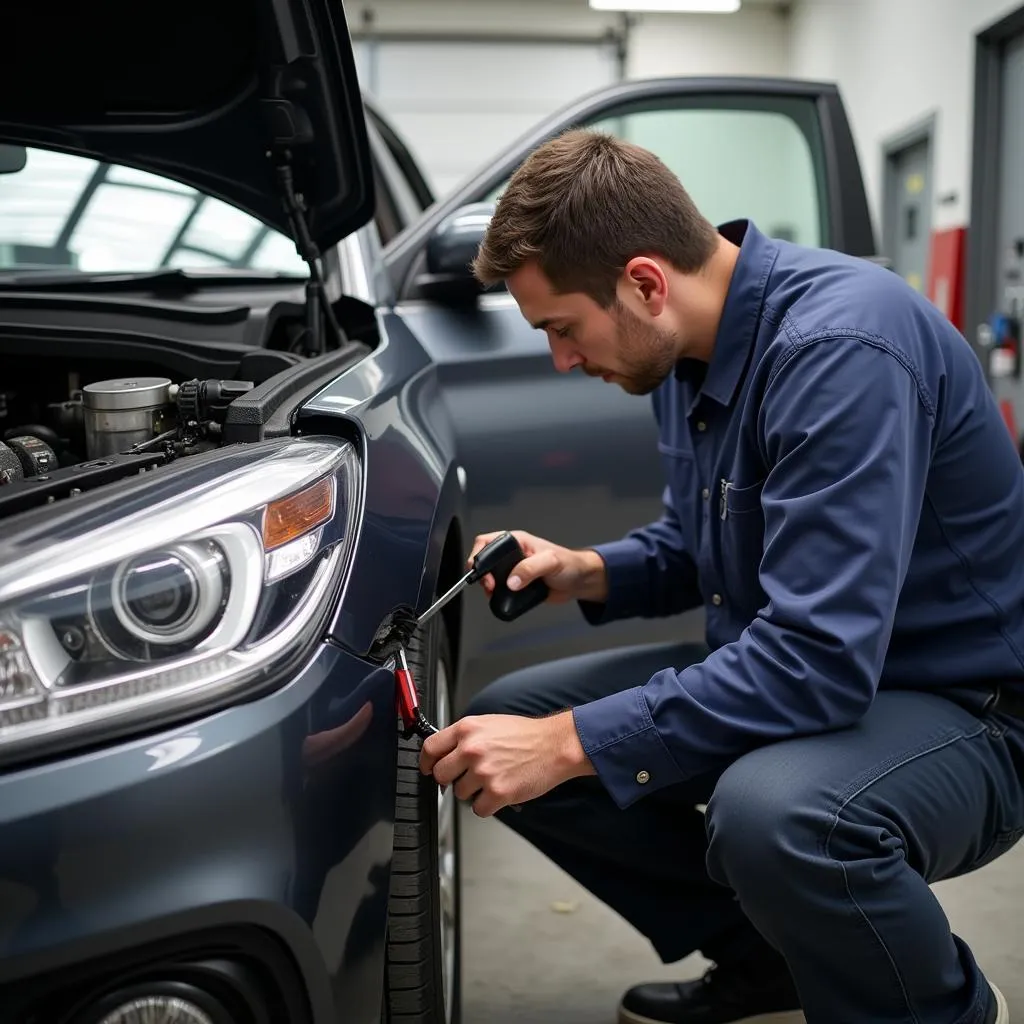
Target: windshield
62	212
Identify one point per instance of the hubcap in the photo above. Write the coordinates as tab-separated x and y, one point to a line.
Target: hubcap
446	811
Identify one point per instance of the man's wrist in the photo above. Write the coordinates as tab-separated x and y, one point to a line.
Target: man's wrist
593	578
572	758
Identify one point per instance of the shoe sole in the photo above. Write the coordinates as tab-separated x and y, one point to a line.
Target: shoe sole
1002	1009
786	1017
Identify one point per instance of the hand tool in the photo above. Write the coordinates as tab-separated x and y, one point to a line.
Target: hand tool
498	559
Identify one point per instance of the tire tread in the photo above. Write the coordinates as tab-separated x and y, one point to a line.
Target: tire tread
412	994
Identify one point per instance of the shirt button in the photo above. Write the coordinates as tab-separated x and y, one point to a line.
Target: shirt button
705	494
643	777
716	598
702	426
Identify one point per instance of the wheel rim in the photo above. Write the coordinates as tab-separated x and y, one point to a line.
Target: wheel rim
446	873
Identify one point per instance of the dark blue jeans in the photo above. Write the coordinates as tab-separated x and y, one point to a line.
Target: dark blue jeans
819	848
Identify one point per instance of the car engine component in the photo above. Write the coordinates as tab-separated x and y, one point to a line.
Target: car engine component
201	402
122	413
10	466
36	457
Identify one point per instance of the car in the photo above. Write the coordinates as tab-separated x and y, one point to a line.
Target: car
254	409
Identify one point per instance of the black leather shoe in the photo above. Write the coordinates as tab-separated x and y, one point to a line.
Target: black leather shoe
720	997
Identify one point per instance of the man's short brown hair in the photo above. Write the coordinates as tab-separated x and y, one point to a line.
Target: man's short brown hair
582	206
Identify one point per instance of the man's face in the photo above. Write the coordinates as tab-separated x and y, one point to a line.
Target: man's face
618	345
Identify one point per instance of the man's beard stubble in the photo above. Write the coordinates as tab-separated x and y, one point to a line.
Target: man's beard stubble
647	354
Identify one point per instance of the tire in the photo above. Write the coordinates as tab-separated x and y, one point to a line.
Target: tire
415	989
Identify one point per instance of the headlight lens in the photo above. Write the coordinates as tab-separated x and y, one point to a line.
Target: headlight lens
177	601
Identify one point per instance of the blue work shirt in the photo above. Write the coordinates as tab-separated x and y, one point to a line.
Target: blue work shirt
843	499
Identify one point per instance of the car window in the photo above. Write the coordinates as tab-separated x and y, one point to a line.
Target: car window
73	213
738	157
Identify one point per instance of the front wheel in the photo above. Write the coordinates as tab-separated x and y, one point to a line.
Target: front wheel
423	979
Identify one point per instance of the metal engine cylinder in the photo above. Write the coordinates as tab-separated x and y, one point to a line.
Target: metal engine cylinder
121	413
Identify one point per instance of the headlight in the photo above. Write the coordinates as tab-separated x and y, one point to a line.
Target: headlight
194	589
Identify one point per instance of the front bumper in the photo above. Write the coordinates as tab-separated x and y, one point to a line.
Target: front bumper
258	837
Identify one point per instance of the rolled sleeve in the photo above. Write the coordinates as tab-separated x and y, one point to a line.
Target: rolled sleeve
624	746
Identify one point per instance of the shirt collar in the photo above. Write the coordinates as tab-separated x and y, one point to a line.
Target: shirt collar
740	315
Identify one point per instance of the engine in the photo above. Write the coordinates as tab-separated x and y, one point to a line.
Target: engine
106	430
124	415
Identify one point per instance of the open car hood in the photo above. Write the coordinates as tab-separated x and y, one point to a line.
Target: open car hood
227	96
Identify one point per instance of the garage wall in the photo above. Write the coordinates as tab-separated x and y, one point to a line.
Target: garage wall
457	102
896	63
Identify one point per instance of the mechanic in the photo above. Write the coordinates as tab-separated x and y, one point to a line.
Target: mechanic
845	503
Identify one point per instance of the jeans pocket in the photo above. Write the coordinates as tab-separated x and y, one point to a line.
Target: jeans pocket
1003	843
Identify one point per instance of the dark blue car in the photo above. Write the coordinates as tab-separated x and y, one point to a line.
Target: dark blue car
252	408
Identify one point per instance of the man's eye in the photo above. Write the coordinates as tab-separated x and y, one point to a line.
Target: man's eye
563	332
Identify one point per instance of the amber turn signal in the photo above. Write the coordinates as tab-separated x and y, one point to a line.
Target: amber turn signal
288	518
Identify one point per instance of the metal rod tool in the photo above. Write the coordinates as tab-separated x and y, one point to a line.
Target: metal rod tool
498	559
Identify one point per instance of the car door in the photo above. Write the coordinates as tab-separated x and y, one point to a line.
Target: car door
568	457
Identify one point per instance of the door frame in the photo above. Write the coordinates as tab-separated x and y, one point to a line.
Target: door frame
922	130
983	231
845	202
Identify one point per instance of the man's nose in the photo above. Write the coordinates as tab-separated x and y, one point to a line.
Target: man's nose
564	357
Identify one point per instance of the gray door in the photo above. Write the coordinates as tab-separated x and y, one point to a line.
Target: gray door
908	208
1009	263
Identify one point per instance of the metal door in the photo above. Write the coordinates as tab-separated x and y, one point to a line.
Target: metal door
908	208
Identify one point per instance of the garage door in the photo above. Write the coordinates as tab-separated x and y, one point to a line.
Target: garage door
459	102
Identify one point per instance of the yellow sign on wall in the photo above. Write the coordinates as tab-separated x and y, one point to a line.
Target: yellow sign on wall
915	183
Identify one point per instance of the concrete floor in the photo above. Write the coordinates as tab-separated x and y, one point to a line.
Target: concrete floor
538	948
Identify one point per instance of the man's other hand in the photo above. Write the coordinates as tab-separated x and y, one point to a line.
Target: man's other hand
499	760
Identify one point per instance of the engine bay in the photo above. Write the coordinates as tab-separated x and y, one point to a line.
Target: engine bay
54	420
110	417
67	428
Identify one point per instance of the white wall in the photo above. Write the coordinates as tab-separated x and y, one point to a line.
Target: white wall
458	103
896	62
754	41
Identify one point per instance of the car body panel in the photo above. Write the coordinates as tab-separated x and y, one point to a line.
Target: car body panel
274	812
267	83
392	398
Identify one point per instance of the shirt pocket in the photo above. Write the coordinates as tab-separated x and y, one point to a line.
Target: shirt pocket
742	545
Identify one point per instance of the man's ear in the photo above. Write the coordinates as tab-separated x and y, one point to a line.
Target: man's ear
645	279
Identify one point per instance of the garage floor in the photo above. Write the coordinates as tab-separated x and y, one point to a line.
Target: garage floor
539	948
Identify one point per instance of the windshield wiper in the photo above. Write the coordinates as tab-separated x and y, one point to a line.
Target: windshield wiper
158	280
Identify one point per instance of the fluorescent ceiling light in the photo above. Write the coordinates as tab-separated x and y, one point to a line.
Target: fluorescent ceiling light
669	6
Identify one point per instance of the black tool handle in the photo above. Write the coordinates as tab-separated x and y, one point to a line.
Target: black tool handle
499	558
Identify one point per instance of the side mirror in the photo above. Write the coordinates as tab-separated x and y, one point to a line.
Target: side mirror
12	158
450	251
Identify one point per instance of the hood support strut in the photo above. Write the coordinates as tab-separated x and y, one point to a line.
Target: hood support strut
285	114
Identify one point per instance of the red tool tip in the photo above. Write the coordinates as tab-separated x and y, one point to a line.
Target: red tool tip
406	698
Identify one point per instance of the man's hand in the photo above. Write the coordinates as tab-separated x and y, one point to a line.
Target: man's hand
499	760
570	575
